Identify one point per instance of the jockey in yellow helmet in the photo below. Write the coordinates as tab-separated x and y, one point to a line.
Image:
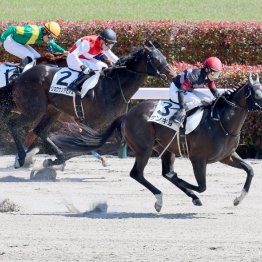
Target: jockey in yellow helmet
17	40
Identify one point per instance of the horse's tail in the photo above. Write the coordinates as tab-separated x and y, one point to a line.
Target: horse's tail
79	139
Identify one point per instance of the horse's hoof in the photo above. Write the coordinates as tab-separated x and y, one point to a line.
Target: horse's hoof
197	202
105	162
29	157
19	162
47	162
159	202
236	201
158	207
16	164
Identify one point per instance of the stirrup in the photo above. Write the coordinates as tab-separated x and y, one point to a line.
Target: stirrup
73	87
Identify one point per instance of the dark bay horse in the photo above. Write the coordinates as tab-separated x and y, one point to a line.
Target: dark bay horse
31	99
215	139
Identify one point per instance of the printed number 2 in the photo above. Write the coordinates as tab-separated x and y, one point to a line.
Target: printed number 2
67	75
166	107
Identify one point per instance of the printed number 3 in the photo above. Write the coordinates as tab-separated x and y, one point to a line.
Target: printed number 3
166	107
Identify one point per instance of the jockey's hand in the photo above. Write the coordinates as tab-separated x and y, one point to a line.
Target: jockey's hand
85	69
206	101
91	72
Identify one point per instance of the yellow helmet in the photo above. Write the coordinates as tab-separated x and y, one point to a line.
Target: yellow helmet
53	28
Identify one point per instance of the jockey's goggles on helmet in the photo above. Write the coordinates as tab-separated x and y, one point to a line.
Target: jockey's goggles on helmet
108	44
214	74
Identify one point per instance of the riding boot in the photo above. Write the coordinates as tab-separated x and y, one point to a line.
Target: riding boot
75	86
27	60
179	116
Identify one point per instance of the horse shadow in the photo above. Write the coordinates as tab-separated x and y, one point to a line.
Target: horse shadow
126	215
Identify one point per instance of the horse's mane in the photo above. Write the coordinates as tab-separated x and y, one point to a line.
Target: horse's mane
229	93
124	60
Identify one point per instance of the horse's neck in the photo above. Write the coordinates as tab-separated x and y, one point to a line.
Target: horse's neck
233	117
129	83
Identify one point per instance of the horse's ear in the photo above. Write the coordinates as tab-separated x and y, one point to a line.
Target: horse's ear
156	44
250	79
149	44
257	79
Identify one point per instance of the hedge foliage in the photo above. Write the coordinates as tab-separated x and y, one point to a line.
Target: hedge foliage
191	42
185	44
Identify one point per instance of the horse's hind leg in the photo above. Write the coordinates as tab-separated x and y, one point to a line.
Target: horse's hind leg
236	161
41	131
168	159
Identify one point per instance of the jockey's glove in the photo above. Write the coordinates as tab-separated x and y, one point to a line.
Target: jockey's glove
85	69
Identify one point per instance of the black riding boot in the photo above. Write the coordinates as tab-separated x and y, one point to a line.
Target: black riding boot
75	86
180	114
24	62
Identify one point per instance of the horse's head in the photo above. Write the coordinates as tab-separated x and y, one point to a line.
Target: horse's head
253	91
156	63
148	60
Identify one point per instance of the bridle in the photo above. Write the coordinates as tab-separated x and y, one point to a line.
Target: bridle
149	62
248	94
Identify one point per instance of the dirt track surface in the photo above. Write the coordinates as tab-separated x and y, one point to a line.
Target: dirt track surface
55	222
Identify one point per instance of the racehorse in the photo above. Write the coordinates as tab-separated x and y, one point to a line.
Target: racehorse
30	97
215	139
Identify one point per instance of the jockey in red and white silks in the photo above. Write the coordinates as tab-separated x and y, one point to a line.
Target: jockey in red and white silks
84	51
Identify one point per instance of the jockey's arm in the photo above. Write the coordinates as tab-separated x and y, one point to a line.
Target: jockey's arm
213	89
55	47
9	31
110	56
82	49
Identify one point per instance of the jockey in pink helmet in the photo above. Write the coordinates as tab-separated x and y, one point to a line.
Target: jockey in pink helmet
182	86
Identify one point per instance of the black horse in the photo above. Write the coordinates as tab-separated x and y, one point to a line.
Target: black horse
215	139
29	96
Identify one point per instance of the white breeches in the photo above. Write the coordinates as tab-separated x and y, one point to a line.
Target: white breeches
192	99
93	64
19	50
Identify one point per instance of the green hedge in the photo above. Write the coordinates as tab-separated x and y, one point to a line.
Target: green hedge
191	42
185	44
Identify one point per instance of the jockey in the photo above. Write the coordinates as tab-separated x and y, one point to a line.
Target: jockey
17	40
83	56
181	89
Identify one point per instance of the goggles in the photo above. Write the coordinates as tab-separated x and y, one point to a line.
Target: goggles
214	74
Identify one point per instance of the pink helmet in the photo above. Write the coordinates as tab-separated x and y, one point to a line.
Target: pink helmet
213	63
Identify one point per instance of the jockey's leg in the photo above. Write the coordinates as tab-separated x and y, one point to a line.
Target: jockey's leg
94	65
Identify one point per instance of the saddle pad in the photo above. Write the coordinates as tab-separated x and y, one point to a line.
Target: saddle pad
62	79
6	71
165	109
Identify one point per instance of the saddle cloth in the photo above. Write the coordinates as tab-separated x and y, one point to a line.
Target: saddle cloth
166	108
6	71
65	76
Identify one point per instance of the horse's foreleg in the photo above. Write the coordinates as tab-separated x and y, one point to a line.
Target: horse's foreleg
168	173
236	161
137	174
199	167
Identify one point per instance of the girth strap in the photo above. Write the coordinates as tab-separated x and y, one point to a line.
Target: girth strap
182	142
78	106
